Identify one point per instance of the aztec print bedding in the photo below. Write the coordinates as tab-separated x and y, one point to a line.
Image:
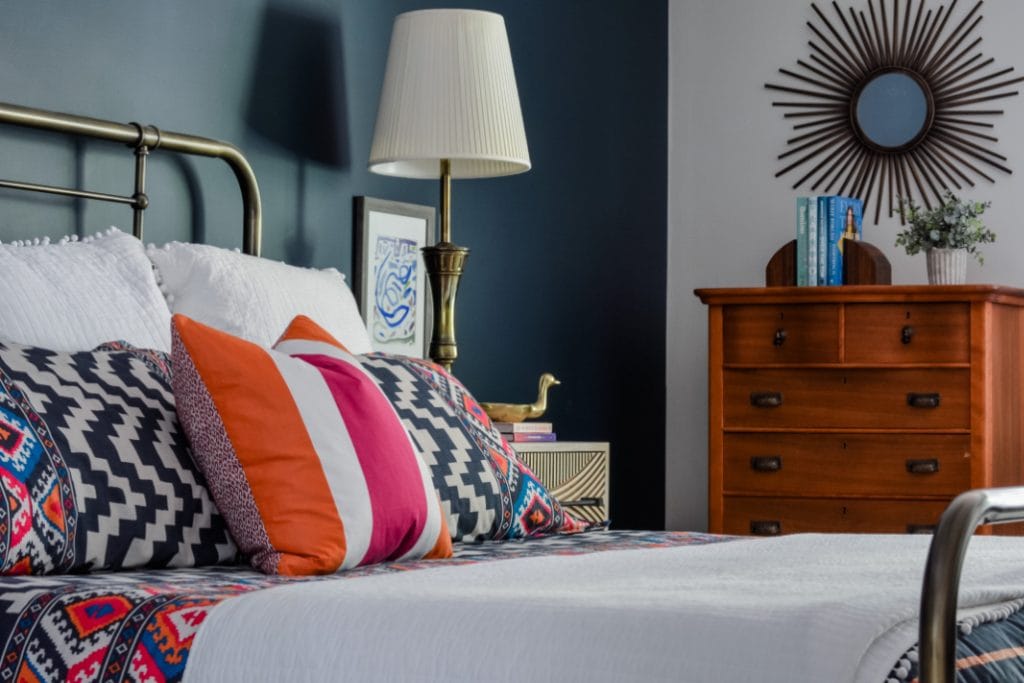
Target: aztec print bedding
134	626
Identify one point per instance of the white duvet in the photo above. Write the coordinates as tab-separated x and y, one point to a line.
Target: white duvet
796	608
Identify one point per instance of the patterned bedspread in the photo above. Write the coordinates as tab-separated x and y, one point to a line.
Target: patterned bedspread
988	652
139	626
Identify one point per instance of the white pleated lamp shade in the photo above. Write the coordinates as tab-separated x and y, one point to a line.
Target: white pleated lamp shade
449	93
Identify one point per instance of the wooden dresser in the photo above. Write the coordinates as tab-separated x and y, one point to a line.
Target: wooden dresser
860	408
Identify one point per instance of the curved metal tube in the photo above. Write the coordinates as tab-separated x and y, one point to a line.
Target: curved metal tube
152	138
937	639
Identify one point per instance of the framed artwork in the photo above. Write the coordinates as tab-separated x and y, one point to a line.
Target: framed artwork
390	276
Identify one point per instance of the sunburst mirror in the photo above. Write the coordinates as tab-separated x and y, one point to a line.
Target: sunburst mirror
893	102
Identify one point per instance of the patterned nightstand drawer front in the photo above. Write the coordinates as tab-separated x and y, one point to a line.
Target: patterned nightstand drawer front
576	473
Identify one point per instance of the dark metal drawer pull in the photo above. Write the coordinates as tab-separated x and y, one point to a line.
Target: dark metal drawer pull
923	400
930	466
766	399
582	502
920	528
766	463
906	334
765	527
780	337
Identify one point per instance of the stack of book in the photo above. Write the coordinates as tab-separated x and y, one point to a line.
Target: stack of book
822	223
526	432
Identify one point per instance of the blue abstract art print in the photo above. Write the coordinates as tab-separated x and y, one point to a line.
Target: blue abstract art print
390	273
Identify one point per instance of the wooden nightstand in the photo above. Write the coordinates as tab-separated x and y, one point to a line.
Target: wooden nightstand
863	408
576	472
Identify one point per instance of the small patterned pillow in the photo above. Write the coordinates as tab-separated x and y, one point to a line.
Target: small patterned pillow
486	491
94	468
304	454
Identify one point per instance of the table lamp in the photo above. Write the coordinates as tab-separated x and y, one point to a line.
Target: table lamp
449	108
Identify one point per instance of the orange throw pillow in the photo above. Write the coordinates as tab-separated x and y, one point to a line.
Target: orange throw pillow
304	455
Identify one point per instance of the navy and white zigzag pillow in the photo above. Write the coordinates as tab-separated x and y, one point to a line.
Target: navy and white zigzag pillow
94	467
486	491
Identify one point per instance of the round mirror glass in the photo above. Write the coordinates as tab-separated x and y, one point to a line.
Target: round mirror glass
892	110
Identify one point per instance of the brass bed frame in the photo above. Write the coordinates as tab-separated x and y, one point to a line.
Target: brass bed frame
143	140
968	511
937	639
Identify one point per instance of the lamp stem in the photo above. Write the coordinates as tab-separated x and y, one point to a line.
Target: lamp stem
446	200
445	262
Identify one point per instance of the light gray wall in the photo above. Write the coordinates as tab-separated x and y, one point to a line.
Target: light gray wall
727	213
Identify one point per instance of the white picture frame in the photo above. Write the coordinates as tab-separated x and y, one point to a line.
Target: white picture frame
390	274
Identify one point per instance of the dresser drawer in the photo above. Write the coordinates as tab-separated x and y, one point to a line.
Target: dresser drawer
772	516
907	333
781	334
852	464
934	398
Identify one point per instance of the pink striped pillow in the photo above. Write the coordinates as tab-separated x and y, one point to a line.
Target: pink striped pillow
305	456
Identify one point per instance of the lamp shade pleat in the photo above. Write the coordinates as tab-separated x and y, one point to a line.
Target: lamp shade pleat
449	93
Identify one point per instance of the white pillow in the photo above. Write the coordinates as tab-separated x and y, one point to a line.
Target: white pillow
255	298
75	295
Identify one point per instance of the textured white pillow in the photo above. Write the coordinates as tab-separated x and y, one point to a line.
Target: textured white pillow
255	298
75	295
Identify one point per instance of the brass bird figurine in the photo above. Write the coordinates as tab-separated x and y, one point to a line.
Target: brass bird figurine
517	412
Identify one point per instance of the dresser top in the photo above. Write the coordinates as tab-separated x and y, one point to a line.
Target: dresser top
862	293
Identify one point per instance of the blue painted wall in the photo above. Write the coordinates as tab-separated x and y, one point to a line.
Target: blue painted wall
568	269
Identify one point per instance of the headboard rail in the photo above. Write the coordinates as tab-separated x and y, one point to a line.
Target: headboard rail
143	140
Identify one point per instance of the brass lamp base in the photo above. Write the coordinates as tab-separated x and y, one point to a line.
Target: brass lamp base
444	262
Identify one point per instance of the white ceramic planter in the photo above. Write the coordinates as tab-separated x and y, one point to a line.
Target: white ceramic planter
947	266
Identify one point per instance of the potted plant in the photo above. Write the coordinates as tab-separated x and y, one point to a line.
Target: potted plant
947	234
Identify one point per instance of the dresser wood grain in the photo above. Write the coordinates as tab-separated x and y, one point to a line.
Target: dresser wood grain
860	408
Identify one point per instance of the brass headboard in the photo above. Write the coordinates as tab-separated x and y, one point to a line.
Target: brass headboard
143	140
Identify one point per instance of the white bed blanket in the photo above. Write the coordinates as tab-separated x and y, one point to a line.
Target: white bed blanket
795	608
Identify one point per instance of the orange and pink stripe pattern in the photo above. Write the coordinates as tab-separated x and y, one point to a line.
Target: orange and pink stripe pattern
305	457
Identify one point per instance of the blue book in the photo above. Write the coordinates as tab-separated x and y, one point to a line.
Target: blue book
801	242
812	241
844	223
833	257
823	229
